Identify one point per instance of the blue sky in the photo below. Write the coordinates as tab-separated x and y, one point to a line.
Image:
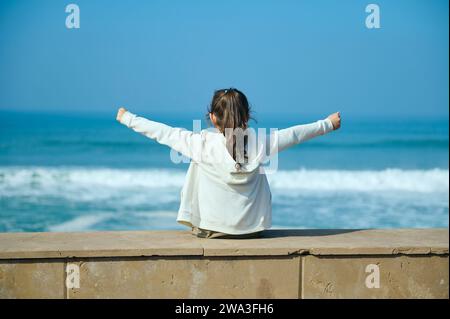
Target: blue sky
290	57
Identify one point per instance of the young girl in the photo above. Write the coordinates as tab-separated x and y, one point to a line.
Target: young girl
226	193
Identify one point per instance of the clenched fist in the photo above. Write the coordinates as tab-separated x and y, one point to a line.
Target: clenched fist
120	113
335	118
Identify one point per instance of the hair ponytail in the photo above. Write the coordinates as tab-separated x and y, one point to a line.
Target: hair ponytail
232	112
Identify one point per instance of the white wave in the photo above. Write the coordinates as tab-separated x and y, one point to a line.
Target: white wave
148	219
91	177
426	181
87	184
80	223
163	185
156	214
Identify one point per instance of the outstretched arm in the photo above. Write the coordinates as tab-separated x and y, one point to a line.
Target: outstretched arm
186	142
294	135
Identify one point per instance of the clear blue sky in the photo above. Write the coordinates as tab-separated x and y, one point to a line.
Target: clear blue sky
291	57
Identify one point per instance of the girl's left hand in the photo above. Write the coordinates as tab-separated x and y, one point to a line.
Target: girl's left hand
336	120
120	113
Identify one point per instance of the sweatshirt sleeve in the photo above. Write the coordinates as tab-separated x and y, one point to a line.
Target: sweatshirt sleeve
186	142
283	139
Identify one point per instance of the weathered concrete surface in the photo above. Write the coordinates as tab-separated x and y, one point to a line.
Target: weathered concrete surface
32	279
150	277
176	243
98	244
336	242
400	277
413	263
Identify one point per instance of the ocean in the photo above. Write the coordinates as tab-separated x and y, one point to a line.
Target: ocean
85	172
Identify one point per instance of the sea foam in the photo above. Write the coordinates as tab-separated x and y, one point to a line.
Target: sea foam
101	181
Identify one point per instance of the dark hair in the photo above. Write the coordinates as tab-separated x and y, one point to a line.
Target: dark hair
232	111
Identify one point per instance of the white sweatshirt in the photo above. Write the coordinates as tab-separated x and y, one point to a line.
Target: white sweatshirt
216	195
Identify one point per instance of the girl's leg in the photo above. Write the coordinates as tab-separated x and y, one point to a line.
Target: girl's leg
204	233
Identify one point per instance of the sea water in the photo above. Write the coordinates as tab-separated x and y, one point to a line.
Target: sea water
72	172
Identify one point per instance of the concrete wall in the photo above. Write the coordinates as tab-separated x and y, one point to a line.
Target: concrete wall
402	263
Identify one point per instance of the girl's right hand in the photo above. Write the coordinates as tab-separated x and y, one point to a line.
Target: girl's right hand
120	113
335	118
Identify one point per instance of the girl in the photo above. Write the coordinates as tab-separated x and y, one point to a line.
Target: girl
226	193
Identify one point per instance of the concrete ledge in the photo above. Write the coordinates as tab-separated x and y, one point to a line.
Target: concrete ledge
397	263
180	243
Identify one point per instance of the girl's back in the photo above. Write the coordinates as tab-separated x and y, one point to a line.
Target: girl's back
226	189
